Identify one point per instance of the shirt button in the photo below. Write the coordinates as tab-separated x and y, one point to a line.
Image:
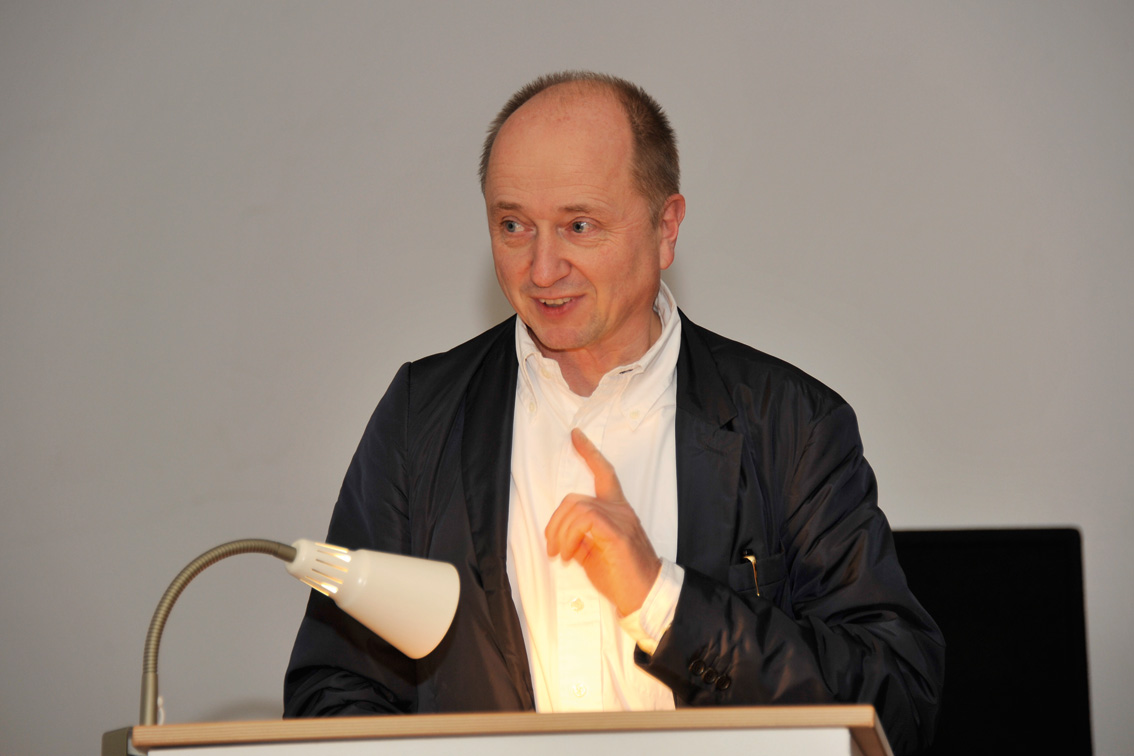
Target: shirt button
576	604
531	407
579	690
635	414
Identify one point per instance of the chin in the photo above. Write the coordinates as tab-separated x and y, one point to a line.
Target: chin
557	339
553	343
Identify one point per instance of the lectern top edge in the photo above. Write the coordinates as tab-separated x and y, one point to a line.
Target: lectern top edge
860	719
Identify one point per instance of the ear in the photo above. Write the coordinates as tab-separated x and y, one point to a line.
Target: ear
669	222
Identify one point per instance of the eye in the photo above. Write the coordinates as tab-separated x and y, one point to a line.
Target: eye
581	226
511	227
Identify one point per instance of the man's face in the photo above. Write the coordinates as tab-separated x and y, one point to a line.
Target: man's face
577	252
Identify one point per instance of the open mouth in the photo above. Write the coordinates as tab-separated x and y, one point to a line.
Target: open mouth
556	302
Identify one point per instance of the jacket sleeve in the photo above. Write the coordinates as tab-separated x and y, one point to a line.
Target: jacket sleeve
843	626
338	667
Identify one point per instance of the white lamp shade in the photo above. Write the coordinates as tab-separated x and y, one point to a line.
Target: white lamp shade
409	602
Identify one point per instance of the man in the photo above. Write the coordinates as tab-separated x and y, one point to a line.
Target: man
643	513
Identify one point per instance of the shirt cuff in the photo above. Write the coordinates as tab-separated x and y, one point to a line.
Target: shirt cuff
647	625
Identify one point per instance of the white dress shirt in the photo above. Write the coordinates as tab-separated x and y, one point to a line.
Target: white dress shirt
579	649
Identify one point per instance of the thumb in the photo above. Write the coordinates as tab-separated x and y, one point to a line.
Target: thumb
607	487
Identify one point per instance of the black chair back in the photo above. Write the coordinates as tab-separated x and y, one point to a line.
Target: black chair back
1010	604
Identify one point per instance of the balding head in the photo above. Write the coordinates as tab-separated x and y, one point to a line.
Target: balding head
654	158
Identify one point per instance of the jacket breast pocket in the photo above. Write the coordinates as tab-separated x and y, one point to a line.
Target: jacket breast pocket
767	579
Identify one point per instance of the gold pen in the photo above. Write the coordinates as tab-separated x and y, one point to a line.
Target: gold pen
751	557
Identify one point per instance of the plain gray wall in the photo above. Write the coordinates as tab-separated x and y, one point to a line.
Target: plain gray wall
223	225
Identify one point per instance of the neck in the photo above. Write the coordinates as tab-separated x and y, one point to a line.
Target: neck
582	369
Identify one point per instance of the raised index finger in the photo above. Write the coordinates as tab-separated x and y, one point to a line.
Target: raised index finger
607	486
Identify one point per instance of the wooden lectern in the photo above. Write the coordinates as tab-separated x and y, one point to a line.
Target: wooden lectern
845	730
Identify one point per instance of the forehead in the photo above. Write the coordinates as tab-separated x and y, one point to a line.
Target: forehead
564	136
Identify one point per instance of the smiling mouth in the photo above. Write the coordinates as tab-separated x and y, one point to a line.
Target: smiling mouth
556	302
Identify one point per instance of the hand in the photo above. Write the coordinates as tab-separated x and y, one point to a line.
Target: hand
604	535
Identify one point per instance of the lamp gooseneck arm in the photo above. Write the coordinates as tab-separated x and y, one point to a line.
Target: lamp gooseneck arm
157	624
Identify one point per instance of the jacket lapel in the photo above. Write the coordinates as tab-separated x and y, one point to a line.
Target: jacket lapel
486	470
708	460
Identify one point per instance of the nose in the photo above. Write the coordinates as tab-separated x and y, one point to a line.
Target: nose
548	263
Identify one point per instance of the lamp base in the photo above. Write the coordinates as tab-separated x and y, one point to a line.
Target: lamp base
119	743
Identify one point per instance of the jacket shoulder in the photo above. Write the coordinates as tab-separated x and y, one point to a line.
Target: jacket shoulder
445	373
756	375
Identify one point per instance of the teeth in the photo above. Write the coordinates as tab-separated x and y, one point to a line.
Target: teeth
556	302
